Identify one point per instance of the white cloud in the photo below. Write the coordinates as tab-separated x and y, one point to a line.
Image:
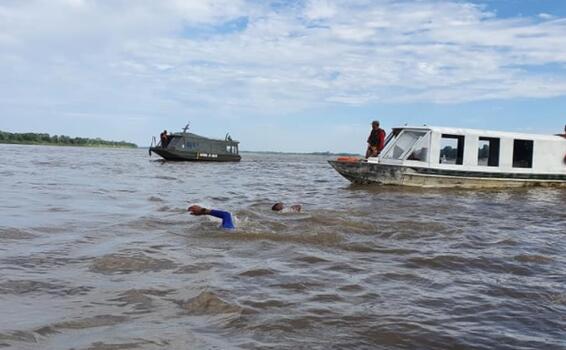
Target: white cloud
546	16
320	9
128	56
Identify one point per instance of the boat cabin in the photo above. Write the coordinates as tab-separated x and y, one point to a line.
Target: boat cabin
474	151
190	142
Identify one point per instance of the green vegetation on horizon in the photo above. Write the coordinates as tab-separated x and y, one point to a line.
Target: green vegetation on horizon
305	153
62	140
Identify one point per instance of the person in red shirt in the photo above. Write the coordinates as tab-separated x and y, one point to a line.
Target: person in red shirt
376	140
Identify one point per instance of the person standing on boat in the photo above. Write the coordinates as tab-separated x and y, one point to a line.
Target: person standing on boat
376	140
164	139
227	220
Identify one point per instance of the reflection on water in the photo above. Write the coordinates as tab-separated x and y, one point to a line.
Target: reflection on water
98	252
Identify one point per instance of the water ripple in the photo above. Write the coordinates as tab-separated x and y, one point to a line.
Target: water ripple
98	252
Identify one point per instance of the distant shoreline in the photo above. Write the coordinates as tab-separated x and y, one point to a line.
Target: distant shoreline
64	145
330	154
38	139
295	153
307	153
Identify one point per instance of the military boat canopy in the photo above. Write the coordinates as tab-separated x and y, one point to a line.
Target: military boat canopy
186	146
451	157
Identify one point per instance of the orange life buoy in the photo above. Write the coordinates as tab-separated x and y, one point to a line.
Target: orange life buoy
348	159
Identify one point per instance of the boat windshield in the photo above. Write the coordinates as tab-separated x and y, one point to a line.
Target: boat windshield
175	142
406	142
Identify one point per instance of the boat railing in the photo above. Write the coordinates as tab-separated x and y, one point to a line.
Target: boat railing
154	142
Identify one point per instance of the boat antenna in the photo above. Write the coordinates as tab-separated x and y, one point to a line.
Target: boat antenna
186	127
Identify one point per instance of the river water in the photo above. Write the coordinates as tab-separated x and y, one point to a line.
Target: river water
97	251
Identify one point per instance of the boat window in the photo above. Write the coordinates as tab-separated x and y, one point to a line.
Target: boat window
523	154
403	144
488	152
174	142
391	136
420	150
452	149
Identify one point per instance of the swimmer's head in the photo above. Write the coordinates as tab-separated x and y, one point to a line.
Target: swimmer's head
277	206
196	210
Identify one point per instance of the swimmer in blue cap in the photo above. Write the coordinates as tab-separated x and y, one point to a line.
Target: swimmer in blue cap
227	221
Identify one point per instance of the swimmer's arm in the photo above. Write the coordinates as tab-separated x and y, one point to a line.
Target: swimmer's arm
217	213
227	221
226	217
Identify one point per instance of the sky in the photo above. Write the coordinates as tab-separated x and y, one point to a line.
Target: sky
280	75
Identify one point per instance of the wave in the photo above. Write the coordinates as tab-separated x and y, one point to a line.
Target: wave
208	303
123	263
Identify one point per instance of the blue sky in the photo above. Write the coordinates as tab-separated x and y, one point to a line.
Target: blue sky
302	75
524	8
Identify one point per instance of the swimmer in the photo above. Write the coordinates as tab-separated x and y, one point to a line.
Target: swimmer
227	221
280	207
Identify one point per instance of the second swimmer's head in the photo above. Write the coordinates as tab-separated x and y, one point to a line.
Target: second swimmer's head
277	206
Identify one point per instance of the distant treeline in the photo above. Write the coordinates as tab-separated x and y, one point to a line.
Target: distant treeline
304	154
333	154
451	152
61	140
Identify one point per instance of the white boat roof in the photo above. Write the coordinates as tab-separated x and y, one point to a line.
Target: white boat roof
486	133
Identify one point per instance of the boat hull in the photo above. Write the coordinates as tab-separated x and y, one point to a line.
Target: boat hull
175	155
366	173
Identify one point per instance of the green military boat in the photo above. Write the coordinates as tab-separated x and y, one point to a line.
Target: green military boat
186	146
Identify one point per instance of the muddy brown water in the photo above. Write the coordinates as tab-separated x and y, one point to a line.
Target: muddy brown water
97	252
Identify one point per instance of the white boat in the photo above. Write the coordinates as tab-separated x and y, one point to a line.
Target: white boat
450	157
